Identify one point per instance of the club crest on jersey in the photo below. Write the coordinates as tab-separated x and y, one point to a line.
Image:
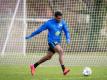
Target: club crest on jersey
60	25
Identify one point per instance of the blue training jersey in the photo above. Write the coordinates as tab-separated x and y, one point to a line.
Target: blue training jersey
54	30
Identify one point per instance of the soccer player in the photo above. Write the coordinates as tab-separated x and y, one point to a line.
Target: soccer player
55	26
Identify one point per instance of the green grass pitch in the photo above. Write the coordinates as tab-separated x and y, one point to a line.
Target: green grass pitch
22	72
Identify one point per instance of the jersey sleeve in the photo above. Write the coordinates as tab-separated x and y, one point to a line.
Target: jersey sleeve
66	31
39	30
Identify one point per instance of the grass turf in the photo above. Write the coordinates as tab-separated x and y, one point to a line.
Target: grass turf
20	72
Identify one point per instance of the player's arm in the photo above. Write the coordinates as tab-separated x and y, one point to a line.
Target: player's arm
66	31
39	30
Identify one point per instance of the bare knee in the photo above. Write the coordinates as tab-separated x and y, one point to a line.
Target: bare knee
49	57
61	52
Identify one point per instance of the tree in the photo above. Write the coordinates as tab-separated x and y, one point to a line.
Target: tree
96	21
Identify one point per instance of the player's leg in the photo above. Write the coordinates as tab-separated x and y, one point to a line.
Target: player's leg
48	56
60	51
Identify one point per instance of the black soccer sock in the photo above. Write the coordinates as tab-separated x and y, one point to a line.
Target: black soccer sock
63	67
36	64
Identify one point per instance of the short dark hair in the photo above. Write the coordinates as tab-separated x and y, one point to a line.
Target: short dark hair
57	13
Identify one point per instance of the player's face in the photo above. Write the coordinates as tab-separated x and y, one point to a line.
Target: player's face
58	18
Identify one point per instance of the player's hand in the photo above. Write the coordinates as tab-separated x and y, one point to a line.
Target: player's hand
27	37
68	43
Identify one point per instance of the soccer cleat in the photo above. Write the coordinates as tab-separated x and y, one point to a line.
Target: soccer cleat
32	69
66	71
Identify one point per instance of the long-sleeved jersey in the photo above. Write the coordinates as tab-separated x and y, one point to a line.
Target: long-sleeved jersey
54	30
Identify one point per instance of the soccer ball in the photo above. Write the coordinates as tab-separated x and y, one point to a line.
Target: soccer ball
87	71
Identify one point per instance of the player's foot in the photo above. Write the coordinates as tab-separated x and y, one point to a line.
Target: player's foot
32	69
66	71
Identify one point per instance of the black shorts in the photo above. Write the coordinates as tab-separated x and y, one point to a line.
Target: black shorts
52	46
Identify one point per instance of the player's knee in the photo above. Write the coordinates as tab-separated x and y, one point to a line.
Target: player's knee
49	57
61	52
